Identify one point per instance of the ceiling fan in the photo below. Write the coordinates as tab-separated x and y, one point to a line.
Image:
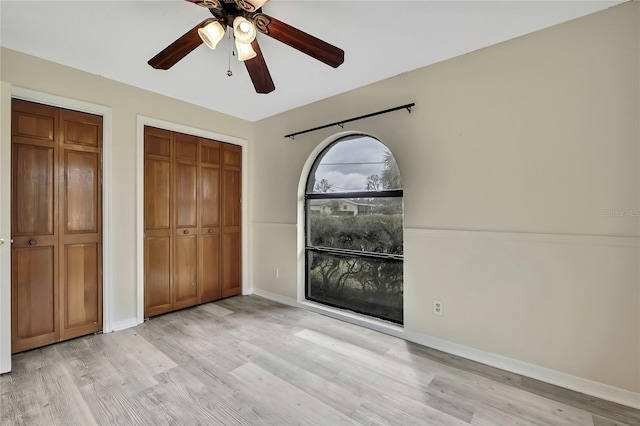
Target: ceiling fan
245	18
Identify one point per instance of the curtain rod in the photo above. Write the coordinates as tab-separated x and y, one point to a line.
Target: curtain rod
341	123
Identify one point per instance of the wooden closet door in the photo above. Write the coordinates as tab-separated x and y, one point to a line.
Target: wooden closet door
192	220
231	220
158	222
185	203
56	271
80	224
34	252
209	255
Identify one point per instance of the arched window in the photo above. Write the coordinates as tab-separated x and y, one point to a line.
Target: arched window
353	239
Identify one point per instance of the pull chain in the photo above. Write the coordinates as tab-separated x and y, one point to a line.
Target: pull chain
229	72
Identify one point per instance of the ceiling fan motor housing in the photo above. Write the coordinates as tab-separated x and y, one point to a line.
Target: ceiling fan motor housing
226	11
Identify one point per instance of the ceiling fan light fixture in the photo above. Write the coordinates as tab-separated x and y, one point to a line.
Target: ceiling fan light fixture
245	51
250	5
257	4
211	33
244	30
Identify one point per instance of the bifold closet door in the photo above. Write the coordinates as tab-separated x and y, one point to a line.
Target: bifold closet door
192	220
34	252
80	224
158	218
56	271
209	221
185	207
231	220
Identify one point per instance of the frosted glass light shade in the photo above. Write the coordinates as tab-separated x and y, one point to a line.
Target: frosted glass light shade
211	33
245	51
244	30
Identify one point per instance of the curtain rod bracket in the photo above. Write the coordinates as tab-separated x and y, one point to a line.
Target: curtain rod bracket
343	122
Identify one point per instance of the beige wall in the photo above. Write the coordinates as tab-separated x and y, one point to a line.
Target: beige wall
127	102
533	140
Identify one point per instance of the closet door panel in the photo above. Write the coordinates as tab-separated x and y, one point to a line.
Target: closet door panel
185	267
81	129
210	267
231	198
34	297
157	194
33	190
157	273
186	147
157	142
81	298
210	197
231	263
82	192
33	123
186	199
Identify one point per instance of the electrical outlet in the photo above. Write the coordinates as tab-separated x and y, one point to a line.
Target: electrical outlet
438	308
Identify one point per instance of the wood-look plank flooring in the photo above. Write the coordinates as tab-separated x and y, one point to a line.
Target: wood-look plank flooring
250	361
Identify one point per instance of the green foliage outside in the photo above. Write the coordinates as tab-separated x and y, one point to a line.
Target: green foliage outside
368	285
375	233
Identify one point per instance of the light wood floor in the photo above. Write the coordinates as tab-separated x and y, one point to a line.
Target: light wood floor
250	361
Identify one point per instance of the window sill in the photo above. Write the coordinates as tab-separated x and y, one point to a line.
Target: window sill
354	318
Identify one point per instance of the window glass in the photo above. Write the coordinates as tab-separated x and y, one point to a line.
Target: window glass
354	216
367	286
374	226
355	164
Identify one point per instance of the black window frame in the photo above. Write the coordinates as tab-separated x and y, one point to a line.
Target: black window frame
308	248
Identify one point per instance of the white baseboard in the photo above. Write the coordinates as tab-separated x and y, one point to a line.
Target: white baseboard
124	324
578	384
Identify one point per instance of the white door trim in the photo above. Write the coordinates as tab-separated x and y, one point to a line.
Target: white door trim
5	227
107	229
168	125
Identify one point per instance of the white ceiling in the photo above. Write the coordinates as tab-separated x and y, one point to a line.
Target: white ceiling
115	39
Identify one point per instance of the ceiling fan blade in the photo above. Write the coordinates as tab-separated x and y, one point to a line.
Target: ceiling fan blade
178	49
259	72
306	43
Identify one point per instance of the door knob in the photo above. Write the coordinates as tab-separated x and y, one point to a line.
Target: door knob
1	241
33	242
